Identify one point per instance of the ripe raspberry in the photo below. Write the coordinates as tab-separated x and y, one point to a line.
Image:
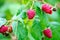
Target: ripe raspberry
30	14
3	29
47	33
10	29
46	8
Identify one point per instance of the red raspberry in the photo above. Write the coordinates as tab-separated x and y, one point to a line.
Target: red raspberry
3	29
10	29
30	14
47	33
47	8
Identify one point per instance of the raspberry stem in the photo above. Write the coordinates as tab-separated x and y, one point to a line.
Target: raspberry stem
32	5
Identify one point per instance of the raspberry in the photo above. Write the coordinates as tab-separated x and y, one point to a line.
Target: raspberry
3	29
10	29
54	9
5	34
30	14
47	33
46	8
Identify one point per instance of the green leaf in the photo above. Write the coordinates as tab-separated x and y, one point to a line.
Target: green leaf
36	30
58	11
24	16
2	21
53	16
8	14
2	2
52	2
20	9
22	31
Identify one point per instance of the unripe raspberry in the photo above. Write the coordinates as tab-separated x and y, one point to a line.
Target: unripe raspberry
48	33
47	8
54	9
30	14
3	29
10	29
5	34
